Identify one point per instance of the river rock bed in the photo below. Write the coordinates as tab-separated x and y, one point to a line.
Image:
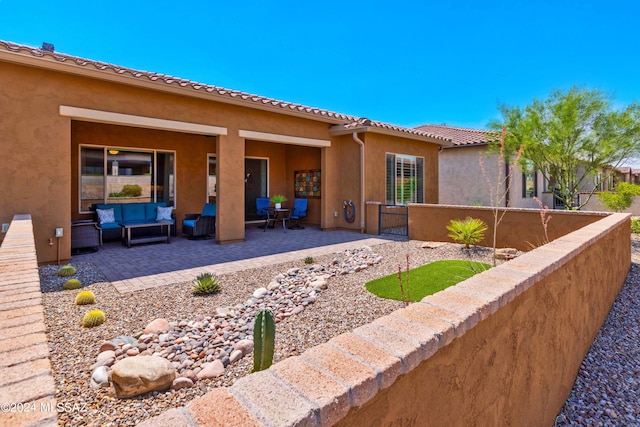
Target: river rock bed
344	305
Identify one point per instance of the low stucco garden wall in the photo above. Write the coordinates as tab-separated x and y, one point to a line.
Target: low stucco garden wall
519	228
501	348
27	389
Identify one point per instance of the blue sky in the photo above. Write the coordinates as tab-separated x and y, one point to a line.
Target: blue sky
402	62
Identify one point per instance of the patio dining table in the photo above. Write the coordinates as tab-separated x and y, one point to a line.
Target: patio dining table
276	214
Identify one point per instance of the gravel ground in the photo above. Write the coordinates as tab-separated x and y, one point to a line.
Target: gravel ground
342	307
607	391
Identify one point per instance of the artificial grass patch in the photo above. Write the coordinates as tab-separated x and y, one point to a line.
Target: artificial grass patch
426	280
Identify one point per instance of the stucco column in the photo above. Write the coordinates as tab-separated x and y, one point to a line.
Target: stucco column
230	188
329	184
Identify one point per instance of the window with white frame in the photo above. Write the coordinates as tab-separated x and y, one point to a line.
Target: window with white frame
404	179
125	175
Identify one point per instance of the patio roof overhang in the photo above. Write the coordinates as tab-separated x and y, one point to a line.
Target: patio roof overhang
283	139
107	117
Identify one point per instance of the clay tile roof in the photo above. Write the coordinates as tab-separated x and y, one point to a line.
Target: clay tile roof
624	169
364	122
325	115
462	136
170	80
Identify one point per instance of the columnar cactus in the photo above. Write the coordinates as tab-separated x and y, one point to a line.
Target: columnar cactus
264	335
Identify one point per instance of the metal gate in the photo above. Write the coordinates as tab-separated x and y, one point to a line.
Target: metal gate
393	219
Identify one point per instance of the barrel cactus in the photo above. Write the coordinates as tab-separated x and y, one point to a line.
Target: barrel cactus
66	270
72	284
93	318
205	283
85	297
264	335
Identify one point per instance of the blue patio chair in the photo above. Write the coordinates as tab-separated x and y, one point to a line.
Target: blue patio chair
262	203
299	213
201	225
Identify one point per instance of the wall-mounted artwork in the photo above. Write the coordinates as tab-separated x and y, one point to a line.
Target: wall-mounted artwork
307	183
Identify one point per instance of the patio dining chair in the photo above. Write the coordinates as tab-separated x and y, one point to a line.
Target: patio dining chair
299	213
262	205
202	225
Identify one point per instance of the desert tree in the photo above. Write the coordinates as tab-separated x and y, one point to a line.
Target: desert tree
575	138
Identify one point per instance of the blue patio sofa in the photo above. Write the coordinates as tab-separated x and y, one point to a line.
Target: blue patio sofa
125	213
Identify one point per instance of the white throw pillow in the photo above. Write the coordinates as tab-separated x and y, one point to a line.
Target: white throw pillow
164	214
106	216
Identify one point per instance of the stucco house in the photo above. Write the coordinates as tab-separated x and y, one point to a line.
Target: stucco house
74	131
460	177
462	182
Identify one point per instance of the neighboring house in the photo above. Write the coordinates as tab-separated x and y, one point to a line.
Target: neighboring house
461	180
75	131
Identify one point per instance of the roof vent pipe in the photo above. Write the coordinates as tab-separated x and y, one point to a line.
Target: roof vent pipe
361	143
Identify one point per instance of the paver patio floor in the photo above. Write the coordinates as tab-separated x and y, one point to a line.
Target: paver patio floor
159	264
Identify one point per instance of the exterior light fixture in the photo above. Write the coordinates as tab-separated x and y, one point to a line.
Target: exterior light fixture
114	152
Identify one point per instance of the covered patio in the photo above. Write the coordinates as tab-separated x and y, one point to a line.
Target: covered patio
160	264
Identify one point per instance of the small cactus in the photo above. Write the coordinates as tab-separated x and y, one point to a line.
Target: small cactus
66	270
85	297
264	336
93	318
205	283
72	284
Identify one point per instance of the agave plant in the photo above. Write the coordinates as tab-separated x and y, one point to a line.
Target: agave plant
205	283
468	231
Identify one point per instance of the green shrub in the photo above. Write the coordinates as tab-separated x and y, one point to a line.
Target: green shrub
635	225
85	297
468	231
93	318
308	260
131	190
622	198
206	283
72	284
66	270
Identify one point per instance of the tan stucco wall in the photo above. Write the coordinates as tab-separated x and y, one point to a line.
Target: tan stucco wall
502	348
340	181
38	178
462	182
377	146
519	228
517	366
460	178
